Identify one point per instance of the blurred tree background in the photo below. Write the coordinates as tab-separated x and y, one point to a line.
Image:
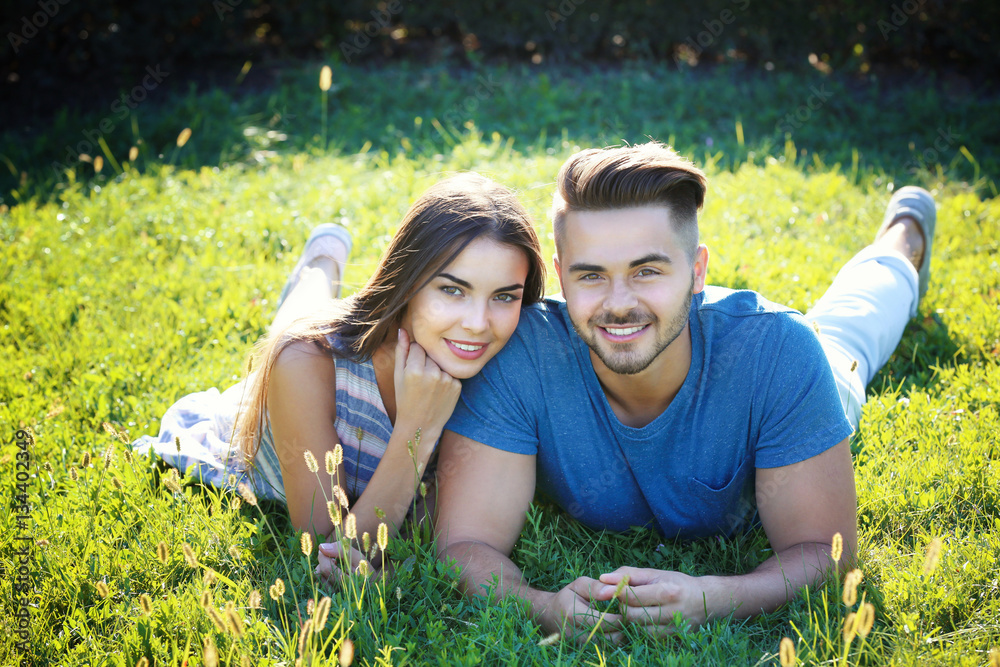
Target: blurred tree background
58	52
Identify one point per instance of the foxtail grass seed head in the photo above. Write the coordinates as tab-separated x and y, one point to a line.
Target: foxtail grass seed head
73	474
550	640
867	621
341	497
142	662
837	547
382	536
162	553
279	585
423	490
366	541
850	627
177	443
621	585
216	618
321	614
304	636
333	509
234	619
172	481
109	457
364	569
253	601
231	480
47	466
85	460
205	601
851	582
117	483
854	365
351	527
399	594
932	556
189	557
346	655
325	78
329	464
102	589
248	495
98	164
128	456
306	542
311	463
338	455
234	552
210	655
786	652
380	513
133	153
183	137
208	578
146	604
310	606
273	592
816	328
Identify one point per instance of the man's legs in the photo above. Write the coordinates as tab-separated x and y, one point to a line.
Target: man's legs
861	317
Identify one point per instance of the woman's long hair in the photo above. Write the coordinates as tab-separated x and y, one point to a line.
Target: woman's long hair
439	225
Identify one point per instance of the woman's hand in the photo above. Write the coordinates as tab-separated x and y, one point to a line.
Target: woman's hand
425	394
332	561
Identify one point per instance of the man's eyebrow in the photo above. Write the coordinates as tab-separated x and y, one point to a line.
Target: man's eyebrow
581	266
651	258
509	288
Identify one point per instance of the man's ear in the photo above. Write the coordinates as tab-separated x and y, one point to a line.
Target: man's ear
700	268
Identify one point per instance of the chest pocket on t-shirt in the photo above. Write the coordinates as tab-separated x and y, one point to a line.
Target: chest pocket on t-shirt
723	508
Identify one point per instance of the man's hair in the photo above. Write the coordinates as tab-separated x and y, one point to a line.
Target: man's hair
650	174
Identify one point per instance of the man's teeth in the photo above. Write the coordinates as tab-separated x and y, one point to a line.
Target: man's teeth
627	331
468	348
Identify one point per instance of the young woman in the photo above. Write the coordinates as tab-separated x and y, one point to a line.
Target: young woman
377	373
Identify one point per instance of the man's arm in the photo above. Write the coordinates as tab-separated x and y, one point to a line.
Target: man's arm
483	495
801	507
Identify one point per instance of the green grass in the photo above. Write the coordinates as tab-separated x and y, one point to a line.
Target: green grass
121	293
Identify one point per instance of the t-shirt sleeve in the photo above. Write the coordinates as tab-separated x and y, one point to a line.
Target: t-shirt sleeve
800	408
498	406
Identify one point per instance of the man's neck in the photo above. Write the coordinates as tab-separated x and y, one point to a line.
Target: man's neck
639	399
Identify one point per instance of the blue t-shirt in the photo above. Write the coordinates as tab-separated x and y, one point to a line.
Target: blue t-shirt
759	394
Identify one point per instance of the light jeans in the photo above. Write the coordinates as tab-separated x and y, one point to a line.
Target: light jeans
862	317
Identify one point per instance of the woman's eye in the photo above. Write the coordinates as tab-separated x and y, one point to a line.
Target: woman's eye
451	289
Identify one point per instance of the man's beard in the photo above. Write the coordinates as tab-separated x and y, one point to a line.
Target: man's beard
625	360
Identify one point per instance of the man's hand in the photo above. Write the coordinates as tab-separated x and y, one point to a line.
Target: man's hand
651	598
569	612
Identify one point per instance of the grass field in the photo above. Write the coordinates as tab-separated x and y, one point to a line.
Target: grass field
125	289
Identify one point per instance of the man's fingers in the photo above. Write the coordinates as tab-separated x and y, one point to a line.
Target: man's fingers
586	588
652	615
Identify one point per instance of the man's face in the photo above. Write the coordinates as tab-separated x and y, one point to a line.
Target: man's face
628	283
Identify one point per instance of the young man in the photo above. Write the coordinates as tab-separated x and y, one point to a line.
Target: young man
649	399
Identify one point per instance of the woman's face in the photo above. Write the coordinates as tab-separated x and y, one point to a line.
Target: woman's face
469	310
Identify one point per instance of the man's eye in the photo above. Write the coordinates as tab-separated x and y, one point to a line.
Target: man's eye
648	272
506	298
589	276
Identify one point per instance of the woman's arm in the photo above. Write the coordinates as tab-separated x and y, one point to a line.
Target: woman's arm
302	409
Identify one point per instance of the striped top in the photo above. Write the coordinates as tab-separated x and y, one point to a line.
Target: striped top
203	422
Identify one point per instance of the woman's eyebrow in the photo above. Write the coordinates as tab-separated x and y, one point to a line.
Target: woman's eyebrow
464	283
467	285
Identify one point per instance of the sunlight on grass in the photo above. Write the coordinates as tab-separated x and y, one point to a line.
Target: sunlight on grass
120	296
